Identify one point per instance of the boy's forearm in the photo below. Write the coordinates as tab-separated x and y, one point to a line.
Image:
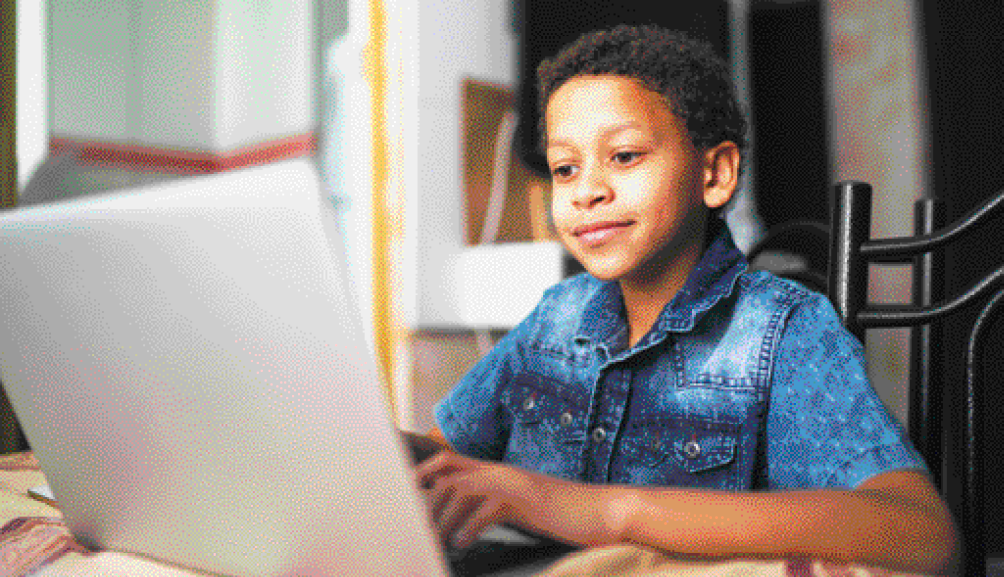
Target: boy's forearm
843	526
576	513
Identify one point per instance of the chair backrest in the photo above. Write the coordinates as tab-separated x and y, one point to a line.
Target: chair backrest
806	241
959	474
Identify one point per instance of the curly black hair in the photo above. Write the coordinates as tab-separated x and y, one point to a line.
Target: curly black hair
694	80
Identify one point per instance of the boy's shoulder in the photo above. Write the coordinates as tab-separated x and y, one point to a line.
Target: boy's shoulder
759	286
766	295
567	301
758	289
759	308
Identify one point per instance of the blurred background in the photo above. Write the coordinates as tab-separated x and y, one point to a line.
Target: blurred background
421	117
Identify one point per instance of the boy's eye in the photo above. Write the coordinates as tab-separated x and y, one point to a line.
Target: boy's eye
563	171
626	157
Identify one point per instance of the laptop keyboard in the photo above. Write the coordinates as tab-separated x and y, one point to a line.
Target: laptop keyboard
499	554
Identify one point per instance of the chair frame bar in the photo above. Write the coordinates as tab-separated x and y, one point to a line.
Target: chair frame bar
926	410
851	251
850	229
972	481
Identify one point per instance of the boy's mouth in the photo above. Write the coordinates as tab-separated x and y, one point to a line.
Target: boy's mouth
597	233
599	226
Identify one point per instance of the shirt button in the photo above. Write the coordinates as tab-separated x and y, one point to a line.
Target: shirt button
599	434
566	419
692	449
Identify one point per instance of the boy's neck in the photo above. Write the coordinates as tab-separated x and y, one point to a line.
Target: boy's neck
645	298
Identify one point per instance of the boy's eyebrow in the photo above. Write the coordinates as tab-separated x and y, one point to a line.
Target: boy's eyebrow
604	133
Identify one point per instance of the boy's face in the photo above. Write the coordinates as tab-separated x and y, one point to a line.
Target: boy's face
629	188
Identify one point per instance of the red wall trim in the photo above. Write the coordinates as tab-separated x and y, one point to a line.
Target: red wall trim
184	161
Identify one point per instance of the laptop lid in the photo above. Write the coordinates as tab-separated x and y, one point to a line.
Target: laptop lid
190	369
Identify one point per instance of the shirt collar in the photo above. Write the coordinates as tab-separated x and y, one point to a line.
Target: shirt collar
604	319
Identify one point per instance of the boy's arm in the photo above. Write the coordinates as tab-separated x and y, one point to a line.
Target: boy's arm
895	519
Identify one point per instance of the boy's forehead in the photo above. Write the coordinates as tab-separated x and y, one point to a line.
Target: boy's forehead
605	86
588	103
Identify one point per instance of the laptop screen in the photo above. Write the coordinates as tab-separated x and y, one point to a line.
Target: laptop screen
190	369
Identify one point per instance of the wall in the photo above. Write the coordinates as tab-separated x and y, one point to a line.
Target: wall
32	87
879	135
205	76
432	47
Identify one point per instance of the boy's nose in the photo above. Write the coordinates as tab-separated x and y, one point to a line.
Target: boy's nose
592	191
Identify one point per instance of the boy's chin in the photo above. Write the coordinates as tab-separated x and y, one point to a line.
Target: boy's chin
612	266
604	273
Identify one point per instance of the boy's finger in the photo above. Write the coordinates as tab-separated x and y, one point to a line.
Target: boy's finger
489	513
424	470
455	512
441	495
440	464
431	468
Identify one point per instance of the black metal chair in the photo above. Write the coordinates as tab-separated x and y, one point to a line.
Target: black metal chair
959	474
805	244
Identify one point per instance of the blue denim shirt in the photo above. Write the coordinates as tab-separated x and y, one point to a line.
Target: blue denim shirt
746	381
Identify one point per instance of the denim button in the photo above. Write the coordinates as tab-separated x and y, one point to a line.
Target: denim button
599	434
692	449
566	419
529	403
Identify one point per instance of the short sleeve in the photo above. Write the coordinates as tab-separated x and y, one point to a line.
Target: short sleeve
826	426
472	416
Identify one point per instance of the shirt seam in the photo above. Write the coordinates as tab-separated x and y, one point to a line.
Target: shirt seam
788	305
891	448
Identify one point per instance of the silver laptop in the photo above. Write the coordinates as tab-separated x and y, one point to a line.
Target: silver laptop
190	370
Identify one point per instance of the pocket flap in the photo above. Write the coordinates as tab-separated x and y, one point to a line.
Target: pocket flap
697	451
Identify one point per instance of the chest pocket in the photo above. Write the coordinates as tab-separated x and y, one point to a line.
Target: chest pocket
547	430
683	454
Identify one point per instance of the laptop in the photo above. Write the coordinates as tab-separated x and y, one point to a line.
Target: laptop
189	367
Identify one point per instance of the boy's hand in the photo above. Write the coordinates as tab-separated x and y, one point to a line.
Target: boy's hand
467	496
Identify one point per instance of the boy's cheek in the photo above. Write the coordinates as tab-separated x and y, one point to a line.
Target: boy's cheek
565	237
559	211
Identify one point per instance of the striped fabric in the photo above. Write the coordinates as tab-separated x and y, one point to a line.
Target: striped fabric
29	543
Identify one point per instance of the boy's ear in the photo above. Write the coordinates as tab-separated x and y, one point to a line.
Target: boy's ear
721	173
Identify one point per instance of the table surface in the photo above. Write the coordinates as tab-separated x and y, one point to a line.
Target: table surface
34	541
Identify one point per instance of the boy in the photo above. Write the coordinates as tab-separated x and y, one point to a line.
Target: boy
670	398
